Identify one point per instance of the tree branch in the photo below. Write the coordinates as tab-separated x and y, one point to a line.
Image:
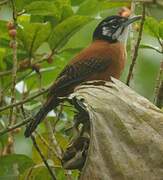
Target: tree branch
41	60
43	158
46	144
136	47
12	116
24	101
53	140
5	73
3	2
15	126
126	133
158	99
14	70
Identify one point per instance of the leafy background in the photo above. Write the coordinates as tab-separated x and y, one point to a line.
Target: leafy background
49	34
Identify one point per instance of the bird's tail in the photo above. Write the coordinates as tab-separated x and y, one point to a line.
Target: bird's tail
48	106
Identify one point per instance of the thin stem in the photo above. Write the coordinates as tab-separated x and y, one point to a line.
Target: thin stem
159	102
53	140
47	145
15	126
21	13
157	50
42	157
158	99
3	2
136	47
5	73
58	117
158	81
12	116
17	80
14	70
41	60
24	101
160	42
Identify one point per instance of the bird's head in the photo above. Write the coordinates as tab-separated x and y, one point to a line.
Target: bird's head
114	28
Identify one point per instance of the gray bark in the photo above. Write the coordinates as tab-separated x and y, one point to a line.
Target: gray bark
126	140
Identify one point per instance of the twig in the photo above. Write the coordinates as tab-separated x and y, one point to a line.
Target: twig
53	140
30	98
43	158
58	117
1	96
12	116
5	73
157	50
17	80
159	100
3	2
160	42
14	70
136	47
25	100
41	60
132	37
21	13
47	145
159	83
15	126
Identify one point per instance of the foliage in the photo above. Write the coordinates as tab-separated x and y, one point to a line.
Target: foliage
23	162
49	33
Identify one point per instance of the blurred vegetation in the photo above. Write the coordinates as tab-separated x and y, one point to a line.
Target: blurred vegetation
49	34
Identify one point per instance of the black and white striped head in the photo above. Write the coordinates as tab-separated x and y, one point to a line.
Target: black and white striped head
114	28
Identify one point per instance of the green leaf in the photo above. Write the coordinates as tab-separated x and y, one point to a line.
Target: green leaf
108	5
37	173
66	8
4	43
33	35
43	8
161	29
2	54
66	11
76	2
151	26
23	162
66	29
45	150
60	174
3	139
48	75
72	50
62	140
91	7
23	18
21	4
3	30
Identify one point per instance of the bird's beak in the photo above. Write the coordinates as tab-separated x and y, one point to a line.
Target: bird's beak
131	20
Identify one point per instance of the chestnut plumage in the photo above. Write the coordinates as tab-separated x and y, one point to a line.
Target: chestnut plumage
105	57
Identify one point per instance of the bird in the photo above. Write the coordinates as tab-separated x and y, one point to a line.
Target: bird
102	59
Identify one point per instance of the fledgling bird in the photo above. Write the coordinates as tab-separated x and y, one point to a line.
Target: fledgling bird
105	57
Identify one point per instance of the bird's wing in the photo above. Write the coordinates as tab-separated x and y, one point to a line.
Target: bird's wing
77	72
